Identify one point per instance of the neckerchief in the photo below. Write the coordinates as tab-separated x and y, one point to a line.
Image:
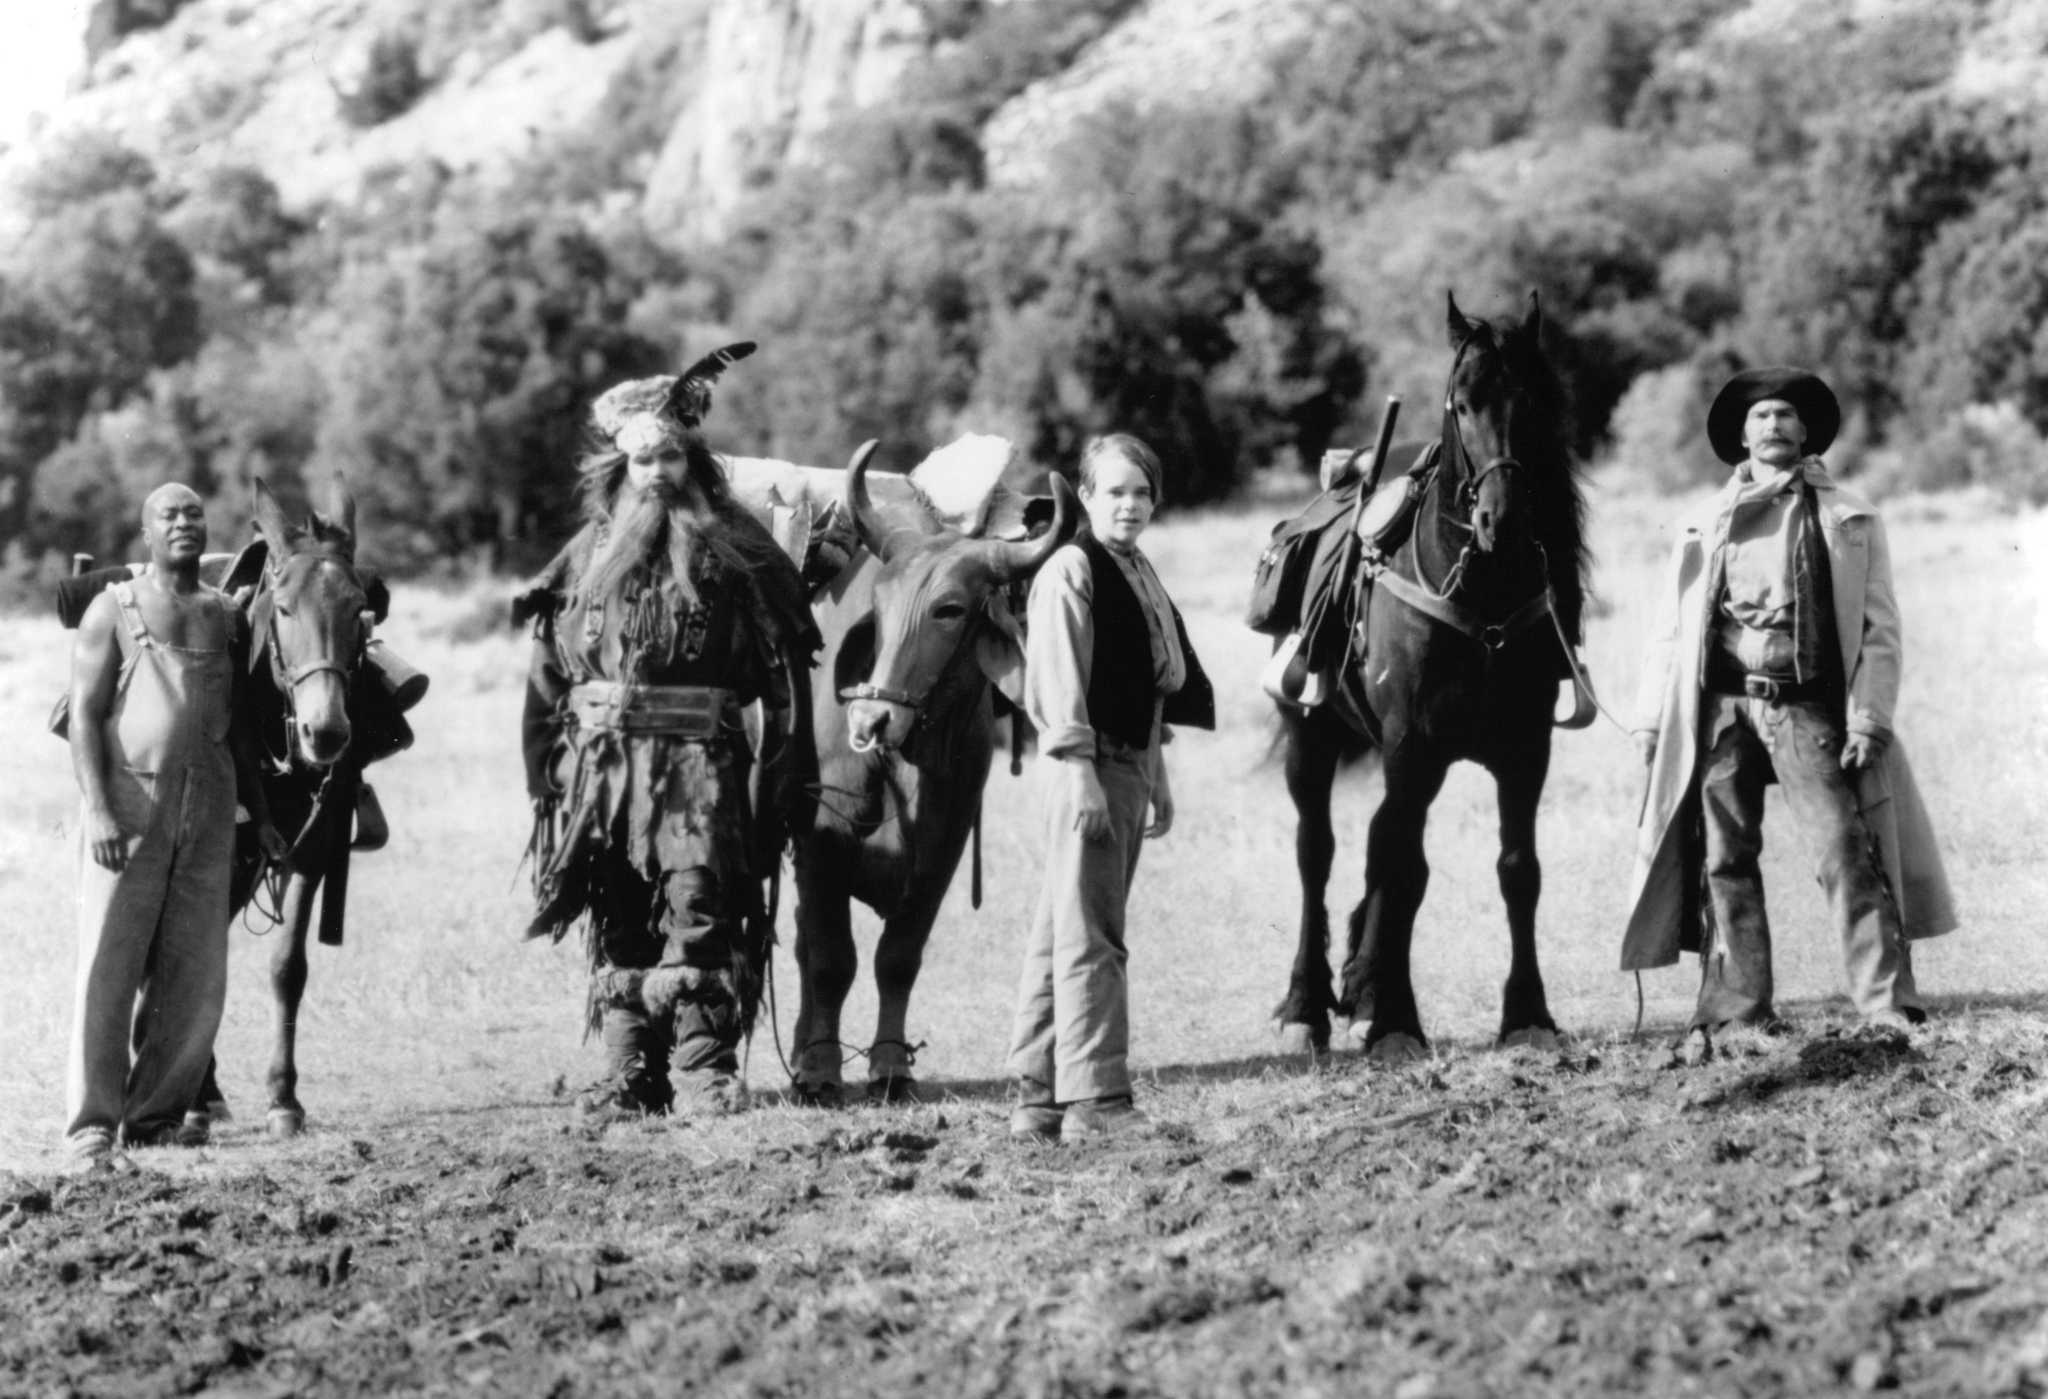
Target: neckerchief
1813	624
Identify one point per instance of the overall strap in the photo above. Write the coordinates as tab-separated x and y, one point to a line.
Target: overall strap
131	614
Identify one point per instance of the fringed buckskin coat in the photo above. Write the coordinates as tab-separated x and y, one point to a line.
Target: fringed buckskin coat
1664	893
665	803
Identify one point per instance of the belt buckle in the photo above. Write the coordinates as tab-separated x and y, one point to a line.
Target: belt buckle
1761	687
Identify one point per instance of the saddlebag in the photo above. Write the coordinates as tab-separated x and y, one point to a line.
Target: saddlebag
1281	584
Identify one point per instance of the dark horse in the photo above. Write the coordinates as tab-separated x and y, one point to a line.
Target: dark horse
1462	660
310	614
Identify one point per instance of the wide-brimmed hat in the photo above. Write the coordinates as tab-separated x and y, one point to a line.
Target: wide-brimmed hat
1813	400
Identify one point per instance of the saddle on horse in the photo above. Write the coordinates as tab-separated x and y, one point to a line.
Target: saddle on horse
1301	592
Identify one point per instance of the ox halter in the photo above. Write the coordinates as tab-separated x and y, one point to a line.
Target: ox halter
865	691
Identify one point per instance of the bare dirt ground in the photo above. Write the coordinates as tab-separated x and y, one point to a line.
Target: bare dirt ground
1822	1213
1829	1212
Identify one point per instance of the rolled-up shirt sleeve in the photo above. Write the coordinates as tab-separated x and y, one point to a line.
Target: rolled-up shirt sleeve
1059	645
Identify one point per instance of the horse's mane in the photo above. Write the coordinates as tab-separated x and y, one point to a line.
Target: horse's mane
1555	485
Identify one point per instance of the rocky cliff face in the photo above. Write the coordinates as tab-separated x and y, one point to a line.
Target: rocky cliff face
1167	51
774	73
268	84
235	82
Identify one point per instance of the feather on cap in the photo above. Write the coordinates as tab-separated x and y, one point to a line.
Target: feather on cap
680	399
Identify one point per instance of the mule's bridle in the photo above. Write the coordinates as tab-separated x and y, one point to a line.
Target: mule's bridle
305	672
288	677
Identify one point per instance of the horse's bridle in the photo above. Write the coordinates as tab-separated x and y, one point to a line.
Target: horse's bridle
1466	494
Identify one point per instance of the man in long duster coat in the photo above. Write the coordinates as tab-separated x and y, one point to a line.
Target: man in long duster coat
1670	905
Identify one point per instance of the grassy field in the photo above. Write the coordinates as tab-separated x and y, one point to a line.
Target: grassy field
1808	1214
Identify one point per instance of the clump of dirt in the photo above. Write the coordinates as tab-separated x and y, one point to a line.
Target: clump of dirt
1830	1210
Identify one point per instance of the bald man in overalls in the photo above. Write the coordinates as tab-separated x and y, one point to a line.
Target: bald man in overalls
152	691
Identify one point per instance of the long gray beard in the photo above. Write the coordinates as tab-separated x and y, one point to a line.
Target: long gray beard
659	531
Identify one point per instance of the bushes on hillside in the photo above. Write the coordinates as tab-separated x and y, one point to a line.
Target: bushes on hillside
1993	445
1688	191
1155	288
96	297
388	85
457	373
108	22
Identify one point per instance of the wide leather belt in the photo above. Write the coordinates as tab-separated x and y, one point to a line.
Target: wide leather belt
678	711
1772	689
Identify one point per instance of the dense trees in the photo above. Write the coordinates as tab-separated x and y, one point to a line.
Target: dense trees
1688	190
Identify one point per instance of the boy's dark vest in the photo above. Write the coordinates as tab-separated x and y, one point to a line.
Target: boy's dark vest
1120	683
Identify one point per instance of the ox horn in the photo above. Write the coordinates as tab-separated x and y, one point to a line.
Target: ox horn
874	531
1011	561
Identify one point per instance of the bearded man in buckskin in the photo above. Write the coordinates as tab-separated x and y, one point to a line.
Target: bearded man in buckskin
669	613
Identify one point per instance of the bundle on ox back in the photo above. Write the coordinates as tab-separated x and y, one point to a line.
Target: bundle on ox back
912	600
1449	645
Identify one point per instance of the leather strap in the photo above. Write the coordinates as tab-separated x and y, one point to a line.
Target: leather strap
865	691
313	668
679	711
1458	617
131	613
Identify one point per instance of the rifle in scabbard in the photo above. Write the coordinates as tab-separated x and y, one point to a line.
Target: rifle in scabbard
1291	676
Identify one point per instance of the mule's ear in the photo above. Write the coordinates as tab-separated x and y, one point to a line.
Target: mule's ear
1532	324
270	518
342	506
1455	321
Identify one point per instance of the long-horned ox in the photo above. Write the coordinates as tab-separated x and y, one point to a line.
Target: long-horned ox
918	635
